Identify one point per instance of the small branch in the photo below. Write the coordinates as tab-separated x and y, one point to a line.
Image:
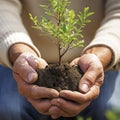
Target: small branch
68	47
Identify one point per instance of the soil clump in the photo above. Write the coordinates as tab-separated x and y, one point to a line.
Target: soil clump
60	77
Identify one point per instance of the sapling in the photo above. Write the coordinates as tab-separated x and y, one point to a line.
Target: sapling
66	28
64	25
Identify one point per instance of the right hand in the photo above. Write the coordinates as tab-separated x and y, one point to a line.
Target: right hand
88	89
25	75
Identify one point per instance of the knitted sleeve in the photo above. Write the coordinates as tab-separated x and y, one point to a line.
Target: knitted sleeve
11	29
109	32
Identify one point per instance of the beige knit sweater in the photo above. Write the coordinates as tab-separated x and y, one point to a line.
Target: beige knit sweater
15	27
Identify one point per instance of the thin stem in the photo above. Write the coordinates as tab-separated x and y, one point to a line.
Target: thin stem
59	46
67	48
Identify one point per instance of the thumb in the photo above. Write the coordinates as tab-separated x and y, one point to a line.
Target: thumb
93	72
87	81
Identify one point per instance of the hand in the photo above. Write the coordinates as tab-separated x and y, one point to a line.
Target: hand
25	74
71	103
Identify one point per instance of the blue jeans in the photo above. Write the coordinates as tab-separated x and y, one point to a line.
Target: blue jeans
13	106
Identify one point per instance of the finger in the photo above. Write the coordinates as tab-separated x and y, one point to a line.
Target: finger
66	108
74	62
90	78
42	63
93	71
26	71
42	106
55	116
79	97
32	61
55	112
34	91
36	62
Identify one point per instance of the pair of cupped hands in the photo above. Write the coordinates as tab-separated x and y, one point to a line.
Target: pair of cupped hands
49	101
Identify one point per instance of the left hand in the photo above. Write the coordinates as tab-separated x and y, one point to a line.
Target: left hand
24	72
71	103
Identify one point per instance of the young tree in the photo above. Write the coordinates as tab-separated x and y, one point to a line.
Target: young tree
67	27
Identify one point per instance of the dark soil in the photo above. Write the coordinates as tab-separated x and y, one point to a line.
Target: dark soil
63	77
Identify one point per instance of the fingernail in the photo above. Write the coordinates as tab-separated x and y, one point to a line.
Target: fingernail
31	77
84	88
36	63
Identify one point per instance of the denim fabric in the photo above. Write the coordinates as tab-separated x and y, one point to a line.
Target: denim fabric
13	106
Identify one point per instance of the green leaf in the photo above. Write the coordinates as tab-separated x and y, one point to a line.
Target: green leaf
72	14
64	28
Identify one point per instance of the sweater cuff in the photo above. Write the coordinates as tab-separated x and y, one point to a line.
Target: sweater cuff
109	41
11	39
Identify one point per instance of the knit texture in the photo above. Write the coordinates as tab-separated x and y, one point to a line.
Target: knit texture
11	29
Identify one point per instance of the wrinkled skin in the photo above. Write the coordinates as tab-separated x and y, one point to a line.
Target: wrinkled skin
65	103
25	74
89	88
